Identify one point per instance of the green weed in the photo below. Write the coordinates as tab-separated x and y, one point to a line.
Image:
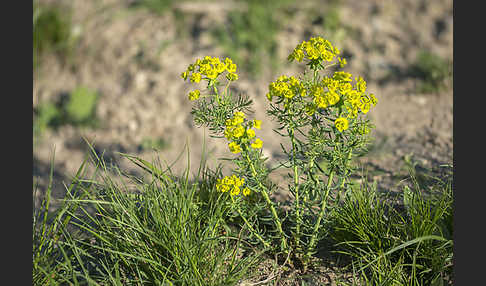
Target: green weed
408	244
81	106
161	230
433	70
52	32
249	36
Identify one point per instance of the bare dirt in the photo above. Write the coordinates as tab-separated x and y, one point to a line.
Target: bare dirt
134	58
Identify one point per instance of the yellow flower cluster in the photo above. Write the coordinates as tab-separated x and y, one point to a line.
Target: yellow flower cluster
337	90
232	185
286	87
240	132
316	49
356	99
341	124
209	69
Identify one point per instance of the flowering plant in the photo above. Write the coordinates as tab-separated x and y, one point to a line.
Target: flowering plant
322	117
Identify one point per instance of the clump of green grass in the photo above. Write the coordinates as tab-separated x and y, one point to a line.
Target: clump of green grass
46	116
153	143
81	106
155	6
158	229
433	70
390	245
52	32
78	109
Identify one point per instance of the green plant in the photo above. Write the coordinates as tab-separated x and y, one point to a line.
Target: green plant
320	116
155	6
249	35
168	230
51	32
81	106
409	245
47	114
153	143
433	70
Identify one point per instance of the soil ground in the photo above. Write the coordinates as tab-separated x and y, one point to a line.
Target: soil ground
134	58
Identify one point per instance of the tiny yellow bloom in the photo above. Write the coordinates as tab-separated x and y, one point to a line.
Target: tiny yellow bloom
184	75
342	62
232	76
212	74
341	124
374	100
257	124
238	181
238	131
196	77
257	144
235	190
234	147
320	101
194	95
231	67
250	133
238	117
246	191
332	97
360	84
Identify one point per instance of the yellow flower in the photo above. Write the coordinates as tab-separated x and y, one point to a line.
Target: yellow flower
237	181
341	124
250	133
221	185
257	144
228	133
257	124
234	147
196	77
212	74
345	87
238	117
364	104
342	62
320	101
232	77
238	131
353	96
194	95
240	114
374	101
360	84
220	67
332	97
246	191
231	68
184	75
235	190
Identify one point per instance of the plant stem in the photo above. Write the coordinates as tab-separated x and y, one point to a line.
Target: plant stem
265	243
313	239
276	220
298	213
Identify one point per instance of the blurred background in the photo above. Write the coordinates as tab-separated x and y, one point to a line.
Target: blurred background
108	71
